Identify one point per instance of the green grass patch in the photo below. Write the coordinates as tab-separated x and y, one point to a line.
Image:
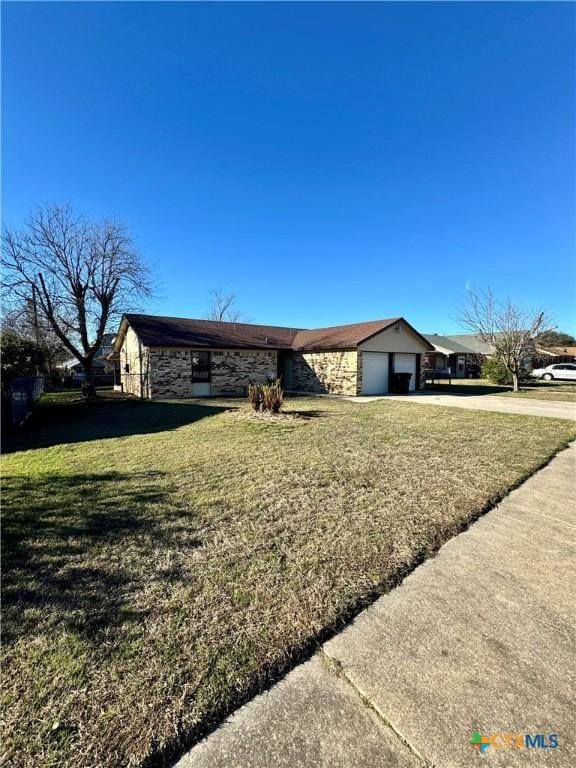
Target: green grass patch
165	561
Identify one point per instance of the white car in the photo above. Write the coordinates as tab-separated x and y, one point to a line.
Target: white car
565	371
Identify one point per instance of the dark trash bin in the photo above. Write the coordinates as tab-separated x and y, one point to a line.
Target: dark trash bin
400	384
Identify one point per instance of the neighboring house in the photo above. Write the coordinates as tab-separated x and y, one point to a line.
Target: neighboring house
462	355
559	354
454	358
472	342
538	356
101	363
170	357
74	368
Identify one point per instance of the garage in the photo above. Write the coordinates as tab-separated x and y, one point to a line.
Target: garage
374	373
406	363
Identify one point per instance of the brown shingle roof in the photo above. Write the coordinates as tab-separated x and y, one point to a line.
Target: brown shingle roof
183	332
562	350
340	336
156	331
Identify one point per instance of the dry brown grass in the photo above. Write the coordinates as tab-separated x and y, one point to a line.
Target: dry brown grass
561	391
165	562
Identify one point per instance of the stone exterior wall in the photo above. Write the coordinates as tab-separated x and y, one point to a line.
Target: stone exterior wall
421	383
171	371
233	370
134	366
359	377
331	371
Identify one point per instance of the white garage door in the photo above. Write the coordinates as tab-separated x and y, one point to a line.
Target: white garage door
374	373
404	363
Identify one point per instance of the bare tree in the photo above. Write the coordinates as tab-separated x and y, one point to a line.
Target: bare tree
82	275
223	307
507	328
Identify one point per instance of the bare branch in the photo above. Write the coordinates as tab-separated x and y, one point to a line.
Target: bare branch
509	330
223	308
83	275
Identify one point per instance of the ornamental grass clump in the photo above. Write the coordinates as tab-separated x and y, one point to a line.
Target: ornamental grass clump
273	395
266	397
255	396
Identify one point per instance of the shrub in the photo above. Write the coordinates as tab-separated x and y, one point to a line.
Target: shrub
21	357
266	397
496	372
255	396
273	394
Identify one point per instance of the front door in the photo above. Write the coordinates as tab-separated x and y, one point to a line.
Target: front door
285	368
461	366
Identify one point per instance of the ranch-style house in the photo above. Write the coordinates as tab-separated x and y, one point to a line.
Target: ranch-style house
172	357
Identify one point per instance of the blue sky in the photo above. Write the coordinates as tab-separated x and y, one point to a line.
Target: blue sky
329	162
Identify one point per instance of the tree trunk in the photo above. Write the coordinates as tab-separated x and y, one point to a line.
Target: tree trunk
88	388
515	386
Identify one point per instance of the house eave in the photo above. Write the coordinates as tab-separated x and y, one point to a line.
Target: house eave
198	345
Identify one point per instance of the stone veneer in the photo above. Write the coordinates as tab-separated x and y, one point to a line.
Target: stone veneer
171	372
231	371
331	371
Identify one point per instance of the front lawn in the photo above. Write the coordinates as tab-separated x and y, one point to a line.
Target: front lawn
561	391
165	561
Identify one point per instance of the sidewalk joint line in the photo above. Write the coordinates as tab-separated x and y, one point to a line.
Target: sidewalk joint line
335	667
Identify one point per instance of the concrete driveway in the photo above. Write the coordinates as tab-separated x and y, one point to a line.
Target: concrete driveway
548	408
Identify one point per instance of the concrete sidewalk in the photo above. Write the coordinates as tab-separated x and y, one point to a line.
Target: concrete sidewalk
478	638
524	406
